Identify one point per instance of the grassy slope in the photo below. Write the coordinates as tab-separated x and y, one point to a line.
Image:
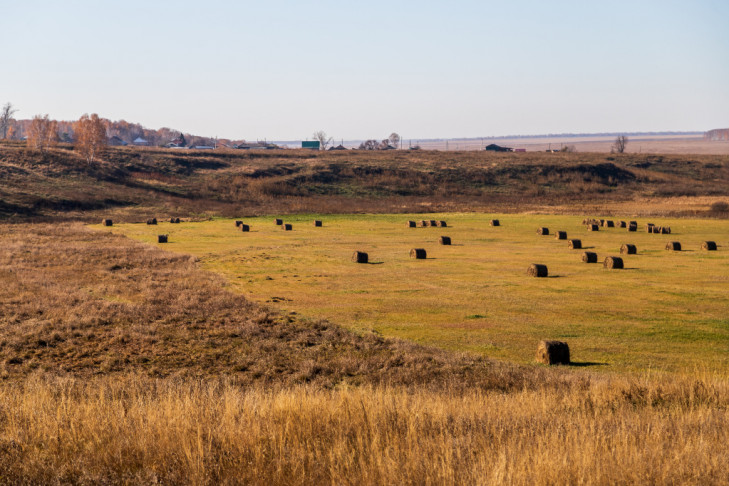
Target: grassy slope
129	183
85	303
665	311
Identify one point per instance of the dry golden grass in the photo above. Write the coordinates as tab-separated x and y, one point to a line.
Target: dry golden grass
140	431
124	364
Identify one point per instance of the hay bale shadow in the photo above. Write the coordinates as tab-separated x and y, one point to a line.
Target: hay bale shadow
374	263
582	364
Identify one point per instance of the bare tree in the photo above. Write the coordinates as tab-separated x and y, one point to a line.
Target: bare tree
42	133
90	134
6	117
324	141
369	145
394	140
620	143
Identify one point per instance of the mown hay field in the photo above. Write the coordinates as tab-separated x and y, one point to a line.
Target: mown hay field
665	311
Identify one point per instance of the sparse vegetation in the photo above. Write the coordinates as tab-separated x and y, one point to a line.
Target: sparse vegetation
132	181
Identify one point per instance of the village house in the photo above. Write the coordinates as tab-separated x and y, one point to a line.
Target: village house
498	148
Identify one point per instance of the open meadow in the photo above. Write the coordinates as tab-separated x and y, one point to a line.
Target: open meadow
665	311
269	357
122	363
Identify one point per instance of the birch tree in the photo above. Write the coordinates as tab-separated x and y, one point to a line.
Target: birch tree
90	136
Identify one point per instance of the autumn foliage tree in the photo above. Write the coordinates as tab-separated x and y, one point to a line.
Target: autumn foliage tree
42	133
90	134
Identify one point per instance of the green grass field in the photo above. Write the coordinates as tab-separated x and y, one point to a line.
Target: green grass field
666	311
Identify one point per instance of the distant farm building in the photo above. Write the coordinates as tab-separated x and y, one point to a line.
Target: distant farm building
179	142
314	145
139	141
256	146
117	142
338	147
201	147
498	148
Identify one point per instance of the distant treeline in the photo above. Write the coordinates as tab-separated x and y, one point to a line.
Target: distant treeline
125	131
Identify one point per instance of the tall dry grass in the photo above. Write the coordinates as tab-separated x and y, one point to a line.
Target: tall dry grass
137	430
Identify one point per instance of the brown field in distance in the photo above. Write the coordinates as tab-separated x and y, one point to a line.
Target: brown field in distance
647	144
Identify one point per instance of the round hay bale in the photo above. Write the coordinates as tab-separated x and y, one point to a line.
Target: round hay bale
628	249
537	270
445	240
589	257
543	231
608	223
708	245
633	223
411	224
665	230
286	227
173	221
494	222
161	238
613	262
560	235
553	352
152	221
360	257
424	224
279	222
593	227
673	246
245	228
107	222
238	223
649	227
632	227
177	220
432	223
622	224
317	223
574	244
418	253
442	224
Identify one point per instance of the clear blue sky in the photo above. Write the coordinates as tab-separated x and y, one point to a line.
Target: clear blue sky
283	69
